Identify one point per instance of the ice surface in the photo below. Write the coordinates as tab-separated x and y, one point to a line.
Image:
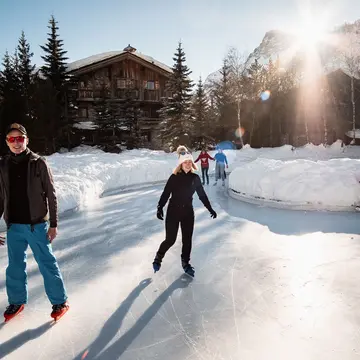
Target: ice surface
269	284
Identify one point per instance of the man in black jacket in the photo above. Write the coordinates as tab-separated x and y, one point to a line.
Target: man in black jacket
27	198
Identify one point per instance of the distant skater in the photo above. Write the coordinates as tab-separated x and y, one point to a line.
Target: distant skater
204	157
221	161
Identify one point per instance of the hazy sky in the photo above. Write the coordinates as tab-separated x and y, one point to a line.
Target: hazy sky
207	28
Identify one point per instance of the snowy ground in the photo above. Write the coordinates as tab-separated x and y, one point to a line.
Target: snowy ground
269	284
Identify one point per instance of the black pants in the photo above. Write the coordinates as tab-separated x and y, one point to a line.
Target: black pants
205	172
175	216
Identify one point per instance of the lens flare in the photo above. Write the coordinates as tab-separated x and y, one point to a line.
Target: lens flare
239	132
265	95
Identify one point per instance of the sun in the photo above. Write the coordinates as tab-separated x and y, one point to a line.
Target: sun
311	32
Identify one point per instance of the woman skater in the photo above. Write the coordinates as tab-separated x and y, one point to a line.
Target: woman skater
204	157
181	186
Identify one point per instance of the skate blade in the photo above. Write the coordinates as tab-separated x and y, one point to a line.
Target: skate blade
57	318
15	315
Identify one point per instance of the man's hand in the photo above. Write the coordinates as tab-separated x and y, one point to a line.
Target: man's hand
2	240
52	232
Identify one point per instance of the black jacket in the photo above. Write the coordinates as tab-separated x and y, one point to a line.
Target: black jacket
40	190
182	187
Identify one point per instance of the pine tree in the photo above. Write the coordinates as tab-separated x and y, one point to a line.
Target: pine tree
176	116
201	113
225	105
54	70
54	58
108	115
26	69
11	108
132	113
26	75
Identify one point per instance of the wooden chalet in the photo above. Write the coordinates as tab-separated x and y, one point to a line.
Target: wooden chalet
116	72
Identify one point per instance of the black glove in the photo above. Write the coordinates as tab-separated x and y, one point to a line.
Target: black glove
160	213
213	214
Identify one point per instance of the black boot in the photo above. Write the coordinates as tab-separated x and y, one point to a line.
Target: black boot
157	263
188	269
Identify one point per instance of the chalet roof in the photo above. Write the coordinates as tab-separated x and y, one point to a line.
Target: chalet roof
91	60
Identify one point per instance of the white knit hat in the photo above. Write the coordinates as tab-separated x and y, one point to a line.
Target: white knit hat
184	155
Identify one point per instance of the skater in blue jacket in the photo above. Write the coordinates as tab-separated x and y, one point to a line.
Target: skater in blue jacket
221	161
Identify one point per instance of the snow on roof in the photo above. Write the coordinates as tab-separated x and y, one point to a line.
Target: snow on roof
107	55
85	125
92	60
350	134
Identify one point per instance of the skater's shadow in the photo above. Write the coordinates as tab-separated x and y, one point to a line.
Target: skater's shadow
113	324
16	342
120	346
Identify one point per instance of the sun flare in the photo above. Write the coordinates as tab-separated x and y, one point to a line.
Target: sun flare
311	32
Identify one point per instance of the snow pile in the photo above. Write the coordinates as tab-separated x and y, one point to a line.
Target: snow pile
331	184
83	175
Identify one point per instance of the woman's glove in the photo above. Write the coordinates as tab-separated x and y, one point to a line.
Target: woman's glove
213	214
160	213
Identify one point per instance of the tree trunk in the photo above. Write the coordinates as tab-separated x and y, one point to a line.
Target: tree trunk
353	107
239	120
252	127
271	129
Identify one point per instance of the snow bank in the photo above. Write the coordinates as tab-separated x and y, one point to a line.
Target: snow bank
83	175
330	184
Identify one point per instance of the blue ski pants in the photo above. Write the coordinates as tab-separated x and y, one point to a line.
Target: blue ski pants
19	237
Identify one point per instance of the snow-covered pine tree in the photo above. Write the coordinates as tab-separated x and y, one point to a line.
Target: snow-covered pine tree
132	113
176	125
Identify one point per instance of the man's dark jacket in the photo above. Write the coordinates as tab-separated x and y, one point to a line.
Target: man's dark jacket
40	190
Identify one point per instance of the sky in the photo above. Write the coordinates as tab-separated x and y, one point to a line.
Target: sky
207	28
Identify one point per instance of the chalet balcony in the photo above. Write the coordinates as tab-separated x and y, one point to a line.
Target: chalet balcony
85	95
151	95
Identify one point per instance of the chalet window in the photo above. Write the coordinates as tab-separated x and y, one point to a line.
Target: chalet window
85	84
150	85
85	94
157	85
102	73
121	83
120	93
83	113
